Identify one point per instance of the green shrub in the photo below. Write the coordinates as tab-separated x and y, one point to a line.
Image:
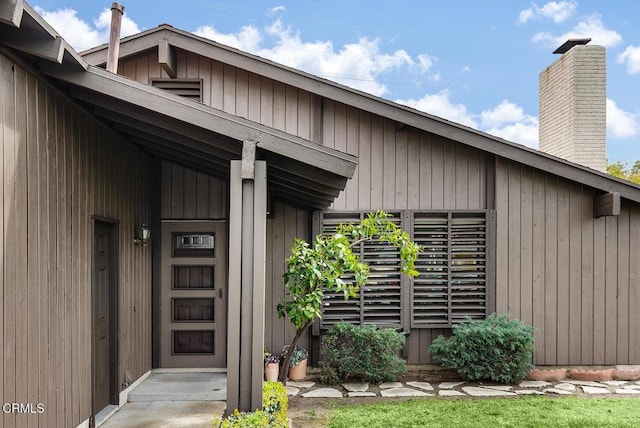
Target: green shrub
353	352
494	349
272	415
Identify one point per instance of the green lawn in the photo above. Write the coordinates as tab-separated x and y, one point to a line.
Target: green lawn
492	413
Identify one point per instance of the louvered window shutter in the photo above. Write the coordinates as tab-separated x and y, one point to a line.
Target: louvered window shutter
379	302
452	284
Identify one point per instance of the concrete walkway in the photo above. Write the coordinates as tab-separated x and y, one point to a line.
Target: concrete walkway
173	399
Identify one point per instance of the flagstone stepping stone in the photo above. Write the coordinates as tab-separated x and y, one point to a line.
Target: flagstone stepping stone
534	384
616	382
566	387
595	390
583	383
449	385
632	387
498	387
421	385
556	391
450	393
476	391
363	394
528	392
323	393
403	392
356	387
627	391
301	384
387	385
292	391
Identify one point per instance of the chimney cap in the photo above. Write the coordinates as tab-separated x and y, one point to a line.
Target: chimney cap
571	43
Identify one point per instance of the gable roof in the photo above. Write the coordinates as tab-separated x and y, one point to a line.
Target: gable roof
174	128
149	39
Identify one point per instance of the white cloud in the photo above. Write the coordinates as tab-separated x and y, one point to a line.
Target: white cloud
525	132
621	124
503	113
465	69
247	39
356	64
275	10
592	27
508	120
557	11
79	33
631	58
440	105
426	62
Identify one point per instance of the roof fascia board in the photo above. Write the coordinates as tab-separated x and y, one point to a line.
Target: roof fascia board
11	12
208	118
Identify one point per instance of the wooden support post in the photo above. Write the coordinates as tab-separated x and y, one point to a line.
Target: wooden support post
167	58
247	264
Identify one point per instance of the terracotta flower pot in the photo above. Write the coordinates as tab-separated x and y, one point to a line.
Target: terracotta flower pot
299	371
271	371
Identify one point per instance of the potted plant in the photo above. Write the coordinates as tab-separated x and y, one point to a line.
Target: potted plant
298	364
271	366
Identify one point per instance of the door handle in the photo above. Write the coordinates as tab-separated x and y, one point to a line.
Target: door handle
219	293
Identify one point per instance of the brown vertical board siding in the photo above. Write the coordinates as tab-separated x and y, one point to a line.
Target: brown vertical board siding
10	217
340	143
204	72
229	89
277	241
599	290
291	110
425	170
526	245
513	241
166	200
586	322
622	309
55	173
563	271
461	168
538	263
449	174
611	288
437	172
266	101
142	68
217	85
242	93
502	235
353	147
202	193
377	164
304	114
5	80
364	161
401	169
574	302
279	106
388	164
270	312
634	284
190	194
551	271
254	101
177	191
413	169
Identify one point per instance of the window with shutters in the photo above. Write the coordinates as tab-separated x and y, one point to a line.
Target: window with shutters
188	88
454	280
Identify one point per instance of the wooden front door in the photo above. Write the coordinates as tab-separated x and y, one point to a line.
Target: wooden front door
103	310
193	294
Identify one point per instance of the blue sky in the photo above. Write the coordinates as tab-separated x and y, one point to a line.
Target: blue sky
472	62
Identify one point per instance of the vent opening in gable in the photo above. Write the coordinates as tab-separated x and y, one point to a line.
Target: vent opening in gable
188	88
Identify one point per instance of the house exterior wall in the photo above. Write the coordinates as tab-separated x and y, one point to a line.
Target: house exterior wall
574	277
60	168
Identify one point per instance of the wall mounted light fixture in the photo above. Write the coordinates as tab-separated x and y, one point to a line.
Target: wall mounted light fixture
142	235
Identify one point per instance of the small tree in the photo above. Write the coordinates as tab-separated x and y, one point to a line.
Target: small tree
313	269
620	170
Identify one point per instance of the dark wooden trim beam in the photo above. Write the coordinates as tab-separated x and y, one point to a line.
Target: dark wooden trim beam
11	12
607	204
32	42
167	58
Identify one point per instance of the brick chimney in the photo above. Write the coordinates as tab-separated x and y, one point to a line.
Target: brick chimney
573	110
